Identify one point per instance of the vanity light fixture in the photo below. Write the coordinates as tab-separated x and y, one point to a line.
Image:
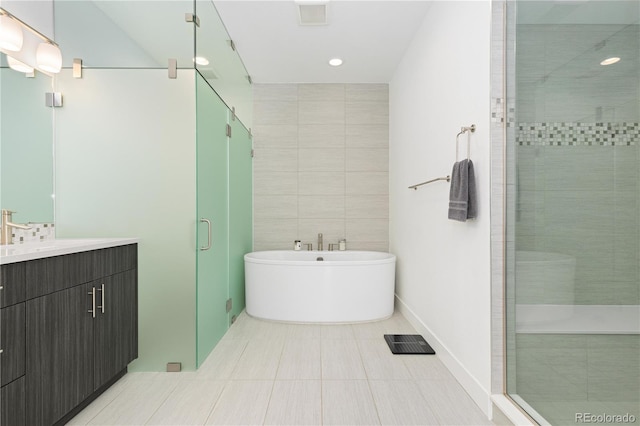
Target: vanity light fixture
16	65
610	61
11	36
335	62
49	57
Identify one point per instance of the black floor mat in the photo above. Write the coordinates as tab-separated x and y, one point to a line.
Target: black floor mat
408	344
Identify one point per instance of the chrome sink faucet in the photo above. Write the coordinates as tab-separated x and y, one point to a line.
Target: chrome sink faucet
5	236
320	248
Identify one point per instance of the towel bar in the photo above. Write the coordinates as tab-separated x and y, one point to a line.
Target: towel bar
463	130
447	178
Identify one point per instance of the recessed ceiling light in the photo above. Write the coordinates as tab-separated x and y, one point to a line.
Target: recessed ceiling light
335	62
610	61
201	60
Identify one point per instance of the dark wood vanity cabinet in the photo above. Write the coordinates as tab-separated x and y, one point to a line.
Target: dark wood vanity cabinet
79	332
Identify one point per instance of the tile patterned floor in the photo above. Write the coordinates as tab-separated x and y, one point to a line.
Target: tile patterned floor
265	373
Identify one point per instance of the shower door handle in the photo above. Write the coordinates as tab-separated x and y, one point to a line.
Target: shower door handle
208	222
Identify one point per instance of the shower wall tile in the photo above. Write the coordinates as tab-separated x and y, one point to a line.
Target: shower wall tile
367	206
283	230
367	112
321	160
367	160
335	173
321	136
550	374
367	135
276	206
368	245
321	206
320	183
367	229
275	112
275	92
367	183
582	373
367	93
332	230
321	112
321	92
276	183
274	160
572	211
275	136
579	168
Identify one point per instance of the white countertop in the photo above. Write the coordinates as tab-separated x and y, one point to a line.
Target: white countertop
29	251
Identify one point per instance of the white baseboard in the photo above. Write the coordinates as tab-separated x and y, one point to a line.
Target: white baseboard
475	390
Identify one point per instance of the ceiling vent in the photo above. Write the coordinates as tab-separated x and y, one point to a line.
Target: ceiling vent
312	12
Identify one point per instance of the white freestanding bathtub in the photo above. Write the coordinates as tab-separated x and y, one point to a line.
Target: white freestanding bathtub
320	286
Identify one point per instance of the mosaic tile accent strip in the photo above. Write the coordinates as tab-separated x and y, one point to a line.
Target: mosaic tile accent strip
577	134
38	232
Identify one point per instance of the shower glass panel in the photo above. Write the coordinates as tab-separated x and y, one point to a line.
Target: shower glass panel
220	64
212	287
125	34
573	136
240	211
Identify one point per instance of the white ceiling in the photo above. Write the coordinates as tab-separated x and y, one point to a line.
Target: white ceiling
370	36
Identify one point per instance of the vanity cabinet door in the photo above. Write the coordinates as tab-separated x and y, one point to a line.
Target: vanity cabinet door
12	408
115	330
59	356
12	343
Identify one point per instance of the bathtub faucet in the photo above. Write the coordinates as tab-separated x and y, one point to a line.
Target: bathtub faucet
320	242
341	245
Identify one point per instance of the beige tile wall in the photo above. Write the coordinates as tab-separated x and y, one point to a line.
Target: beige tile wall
321	165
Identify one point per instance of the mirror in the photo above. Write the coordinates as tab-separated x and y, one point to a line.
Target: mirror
26	146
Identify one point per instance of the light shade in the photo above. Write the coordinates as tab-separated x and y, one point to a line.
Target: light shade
10	34
49	57
16	65
335	62
610	61
201	60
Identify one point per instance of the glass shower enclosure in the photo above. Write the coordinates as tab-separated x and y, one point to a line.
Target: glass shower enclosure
573	221
153	142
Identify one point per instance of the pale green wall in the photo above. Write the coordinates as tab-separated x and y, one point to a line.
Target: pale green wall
26	147
125	167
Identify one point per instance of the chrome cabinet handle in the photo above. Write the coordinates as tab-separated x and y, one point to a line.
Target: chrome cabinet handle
208	222
101	290
92	311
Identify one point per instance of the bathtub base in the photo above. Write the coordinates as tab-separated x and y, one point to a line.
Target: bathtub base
345	287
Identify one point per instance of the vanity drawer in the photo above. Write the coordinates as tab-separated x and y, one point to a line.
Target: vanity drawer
12	281
110	261
12	343
44	276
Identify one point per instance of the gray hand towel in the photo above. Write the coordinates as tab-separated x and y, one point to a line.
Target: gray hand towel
462	194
